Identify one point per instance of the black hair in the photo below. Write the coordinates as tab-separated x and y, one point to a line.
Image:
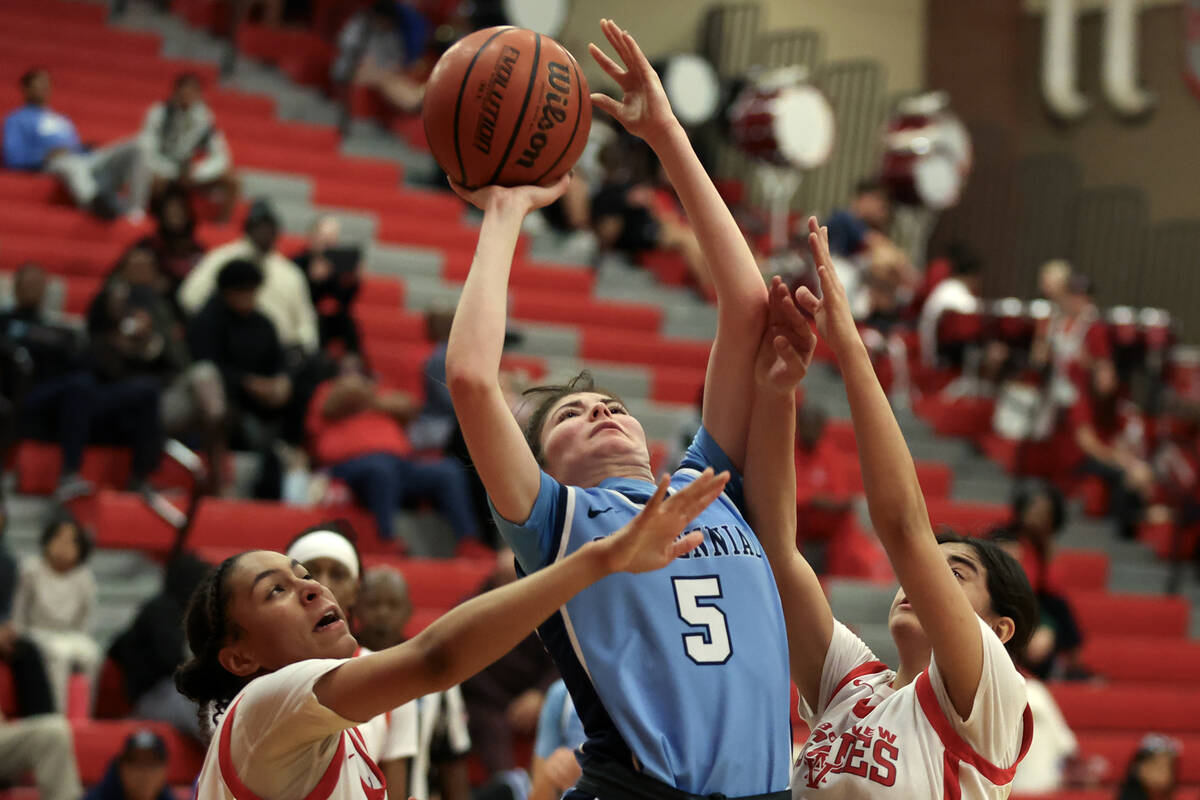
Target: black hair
185	78
28	76
869	186
963	260
239	275
82	540
342	527
1008	588
1031	490
260	211
208	627
173	192
1131	784
547	396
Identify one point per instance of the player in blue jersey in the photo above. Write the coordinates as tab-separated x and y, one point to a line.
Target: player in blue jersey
681	678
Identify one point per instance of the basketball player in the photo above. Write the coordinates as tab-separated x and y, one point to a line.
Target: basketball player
951	721
272	656
680	678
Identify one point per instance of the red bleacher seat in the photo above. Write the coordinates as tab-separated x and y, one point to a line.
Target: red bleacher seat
111	700
1131	708
676	385
1079	569
249	523
380	291
385	200
1141	658
1105	614
437	583
97	742
8	691
38	465
390	325
962	416
543	305
966	518
1118	748
603	344
525	274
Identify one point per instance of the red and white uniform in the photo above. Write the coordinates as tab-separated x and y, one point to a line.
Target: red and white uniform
277	742
393	735
871	741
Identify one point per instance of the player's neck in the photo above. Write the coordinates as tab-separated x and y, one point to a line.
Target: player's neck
912	664
597	470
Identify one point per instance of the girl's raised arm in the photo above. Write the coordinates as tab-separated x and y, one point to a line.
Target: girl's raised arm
498	449
741	295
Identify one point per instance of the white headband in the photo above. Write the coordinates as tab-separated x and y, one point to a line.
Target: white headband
325	544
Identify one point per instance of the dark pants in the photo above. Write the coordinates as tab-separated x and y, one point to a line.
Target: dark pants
1124	504
384	483
75	409
34	695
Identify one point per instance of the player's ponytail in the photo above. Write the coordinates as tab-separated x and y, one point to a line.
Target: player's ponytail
208	629
1007	586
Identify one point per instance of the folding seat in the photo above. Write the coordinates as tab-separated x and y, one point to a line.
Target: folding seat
543	305
636	347
1147	659
1128	707
1107	614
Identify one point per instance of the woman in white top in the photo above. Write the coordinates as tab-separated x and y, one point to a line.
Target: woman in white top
951	720
273	656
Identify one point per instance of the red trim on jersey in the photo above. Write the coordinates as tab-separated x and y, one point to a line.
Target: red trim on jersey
951	790
241	791
957	747
360	744
868	668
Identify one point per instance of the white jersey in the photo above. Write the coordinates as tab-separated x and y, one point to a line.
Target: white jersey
442	715
277	742
390	736
871	741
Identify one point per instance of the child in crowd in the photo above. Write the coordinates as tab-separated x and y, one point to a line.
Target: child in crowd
56	593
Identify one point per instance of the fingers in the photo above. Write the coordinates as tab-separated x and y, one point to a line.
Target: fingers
685	545
606	104
615	37
807	301
610	67
660	492
691	500
793	356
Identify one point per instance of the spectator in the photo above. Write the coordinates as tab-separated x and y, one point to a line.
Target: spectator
376	45
139	772
42	745
1153	772
37	138
505	700
958	293
1054	748
24	660
356	430
15	372
1071	341
334	274
1053	279
283	297
55	602
330	554
559	734
1110	433
230	332
181	144
136	334
443	742
66	404
150	649
863	224
630	216
1038	515
174	239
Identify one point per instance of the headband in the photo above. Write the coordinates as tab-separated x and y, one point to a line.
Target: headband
325	544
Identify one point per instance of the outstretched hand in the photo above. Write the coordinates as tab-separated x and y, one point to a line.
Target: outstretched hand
643	109
788	342
835	320
652	540
522	199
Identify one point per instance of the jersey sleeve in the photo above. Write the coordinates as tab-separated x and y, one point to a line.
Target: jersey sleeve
400	739
550	729
704	452
279	713
848	657
995	728
535	540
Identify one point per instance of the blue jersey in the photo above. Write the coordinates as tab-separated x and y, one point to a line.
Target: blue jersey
559	725
682	672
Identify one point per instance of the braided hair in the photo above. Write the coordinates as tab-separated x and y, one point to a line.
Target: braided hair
202	678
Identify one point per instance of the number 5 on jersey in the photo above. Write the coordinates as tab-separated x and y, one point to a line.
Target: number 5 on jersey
693	598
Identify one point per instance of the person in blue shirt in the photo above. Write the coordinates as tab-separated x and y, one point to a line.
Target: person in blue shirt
680	678
37	138
559	733
139	772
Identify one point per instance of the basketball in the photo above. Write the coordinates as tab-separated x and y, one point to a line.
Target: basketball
507	106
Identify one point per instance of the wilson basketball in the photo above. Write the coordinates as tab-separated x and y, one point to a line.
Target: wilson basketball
507	106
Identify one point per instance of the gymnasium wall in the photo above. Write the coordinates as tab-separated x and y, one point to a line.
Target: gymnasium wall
891	31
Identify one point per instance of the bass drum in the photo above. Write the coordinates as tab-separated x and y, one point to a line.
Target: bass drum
789	126
927	153
692	86
546	17
931	180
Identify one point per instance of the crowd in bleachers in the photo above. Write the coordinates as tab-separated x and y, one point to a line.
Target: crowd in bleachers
263	344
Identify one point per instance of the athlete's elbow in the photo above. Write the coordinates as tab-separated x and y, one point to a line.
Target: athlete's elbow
435	658
466	380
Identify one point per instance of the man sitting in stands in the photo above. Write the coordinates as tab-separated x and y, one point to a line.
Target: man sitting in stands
37	138
334	275
182	144
65	403
357	430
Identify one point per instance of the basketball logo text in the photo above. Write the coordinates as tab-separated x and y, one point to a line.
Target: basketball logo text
554	111
493	97
865	751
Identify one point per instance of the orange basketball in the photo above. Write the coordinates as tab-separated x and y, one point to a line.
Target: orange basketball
507	106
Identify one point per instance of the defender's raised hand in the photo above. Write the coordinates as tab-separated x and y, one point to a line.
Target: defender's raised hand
643	109
788	342
835	321
652	540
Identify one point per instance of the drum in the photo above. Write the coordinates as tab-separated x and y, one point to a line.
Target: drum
927	153
1014	324
789	126
547	17
1158	330
692	87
